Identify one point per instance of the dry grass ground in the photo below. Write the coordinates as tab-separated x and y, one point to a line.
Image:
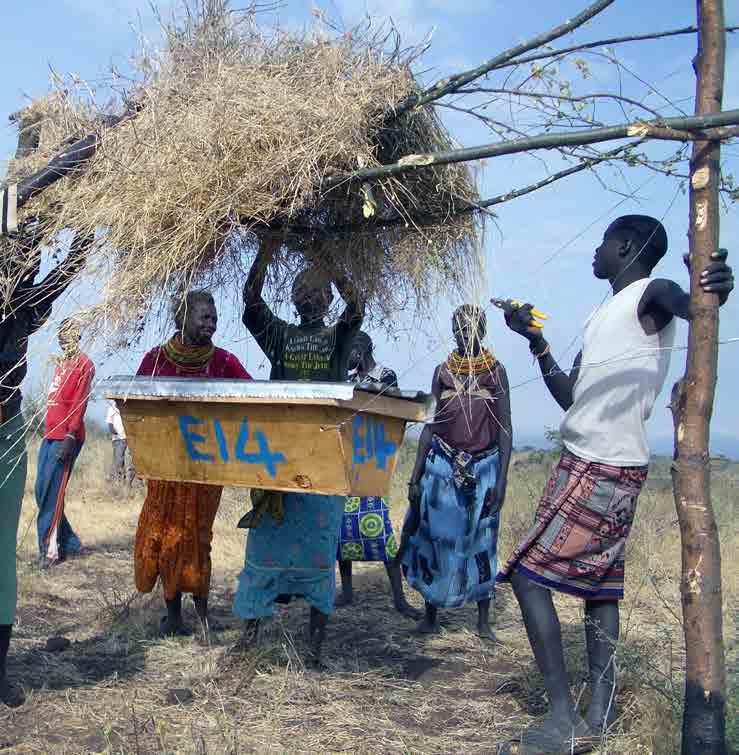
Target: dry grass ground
383	690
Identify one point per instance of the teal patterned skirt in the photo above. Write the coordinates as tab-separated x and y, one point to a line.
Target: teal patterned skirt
291	558
366	531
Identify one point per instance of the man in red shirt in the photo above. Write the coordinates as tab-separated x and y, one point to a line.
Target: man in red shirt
64	435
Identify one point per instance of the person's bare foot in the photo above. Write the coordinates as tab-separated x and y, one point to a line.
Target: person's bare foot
168	628
486	632
11	694
426	626
207	630
342	600
212	625
44	564
250	637
404	608
57	644
314	662
602	712
554	735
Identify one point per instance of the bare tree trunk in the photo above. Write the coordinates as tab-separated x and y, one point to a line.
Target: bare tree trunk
692	405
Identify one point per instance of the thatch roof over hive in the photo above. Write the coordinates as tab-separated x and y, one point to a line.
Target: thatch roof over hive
237	127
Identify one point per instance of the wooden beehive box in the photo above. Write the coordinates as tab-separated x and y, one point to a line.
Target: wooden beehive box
329	438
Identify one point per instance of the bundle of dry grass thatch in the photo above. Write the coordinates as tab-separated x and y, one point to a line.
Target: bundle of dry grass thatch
236	129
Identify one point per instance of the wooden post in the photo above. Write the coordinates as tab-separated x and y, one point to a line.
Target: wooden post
692	405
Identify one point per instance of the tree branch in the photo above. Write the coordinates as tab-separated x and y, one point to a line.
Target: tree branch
675	135
542	141
584	165
603	43
725	187
560	97
371	226
449	85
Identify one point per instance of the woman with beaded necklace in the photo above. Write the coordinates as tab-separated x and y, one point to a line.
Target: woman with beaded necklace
176	522
449	540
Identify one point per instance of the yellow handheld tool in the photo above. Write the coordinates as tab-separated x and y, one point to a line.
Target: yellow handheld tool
510	305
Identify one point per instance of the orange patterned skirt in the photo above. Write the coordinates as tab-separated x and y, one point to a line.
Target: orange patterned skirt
173	537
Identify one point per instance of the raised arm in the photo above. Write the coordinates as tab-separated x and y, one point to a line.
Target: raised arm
58	280
69	160
665	299
257	314
353	313
254	285
520	319
74	155
41	296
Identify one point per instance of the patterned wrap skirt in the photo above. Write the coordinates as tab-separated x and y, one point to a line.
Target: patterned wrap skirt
366	531
174	536
295	557
452	558
579	536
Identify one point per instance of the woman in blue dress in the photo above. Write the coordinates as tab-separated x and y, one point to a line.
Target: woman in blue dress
458	485
293	537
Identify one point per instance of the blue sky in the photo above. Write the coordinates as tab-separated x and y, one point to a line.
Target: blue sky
563	223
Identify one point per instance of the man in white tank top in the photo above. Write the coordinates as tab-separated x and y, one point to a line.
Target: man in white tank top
577	543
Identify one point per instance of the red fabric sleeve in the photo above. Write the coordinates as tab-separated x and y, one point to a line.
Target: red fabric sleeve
234	369
148	364
83	375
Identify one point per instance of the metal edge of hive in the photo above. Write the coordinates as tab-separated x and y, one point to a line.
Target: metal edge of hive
123	387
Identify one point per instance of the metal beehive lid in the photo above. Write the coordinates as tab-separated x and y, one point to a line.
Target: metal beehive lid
123	387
